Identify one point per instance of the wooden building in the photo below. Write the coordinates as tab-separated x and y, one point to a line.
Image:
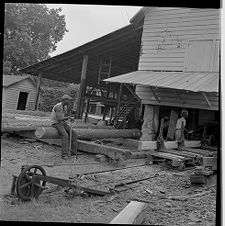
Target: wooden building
178	65
113	54
18	92
165	60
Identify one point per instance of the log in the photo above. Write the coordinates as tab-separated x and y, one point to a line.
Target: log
10	124
133	213
87	134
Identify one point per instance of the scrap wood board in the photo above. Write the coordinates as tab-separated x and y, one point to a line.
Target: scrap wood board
198	151
167	155
182	153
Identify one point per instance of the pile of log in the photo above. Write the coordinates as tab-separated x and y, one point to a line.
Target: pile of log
39	128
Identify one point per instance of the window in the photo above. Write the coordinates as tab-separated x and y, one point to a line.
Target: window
22	101
202	55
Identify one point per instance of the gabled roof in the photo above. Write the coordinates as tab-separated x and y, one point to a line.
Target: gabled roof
189	81
9	80
139	15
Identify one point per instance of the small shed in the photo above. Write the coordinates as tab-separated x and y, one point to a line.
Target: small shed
18	93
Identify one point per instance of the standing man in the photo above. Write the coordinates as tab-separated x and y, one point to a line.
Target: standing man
181	121
58	118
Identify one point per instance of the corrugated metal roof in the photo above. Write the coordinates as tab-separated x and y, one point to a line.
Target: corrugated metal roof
8	80
191	81
123	45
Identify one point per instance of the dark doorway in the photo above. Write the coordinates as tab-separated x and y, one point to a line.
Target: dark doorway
22	101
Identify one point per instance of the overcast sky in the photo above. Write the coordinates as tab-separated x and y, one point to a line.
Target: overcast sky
88	22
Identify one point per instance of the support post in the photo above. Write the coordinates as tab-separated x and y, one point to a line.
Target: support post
82	89
119	98
87	109
38	92
151	123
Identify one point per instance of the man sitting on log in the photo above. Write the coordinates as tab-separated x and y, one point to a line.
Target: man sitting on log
59	119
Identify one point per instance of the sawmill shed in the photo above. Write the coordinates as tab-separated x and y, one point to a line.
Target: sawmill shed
18	92
167	59
179	64
113	54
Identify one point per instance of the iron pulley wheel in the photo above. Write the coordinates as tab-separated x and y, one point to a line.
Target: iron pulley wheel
28	186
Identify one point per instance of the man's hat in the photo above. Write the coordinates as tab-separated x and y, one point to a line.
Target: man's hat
65	96
184	111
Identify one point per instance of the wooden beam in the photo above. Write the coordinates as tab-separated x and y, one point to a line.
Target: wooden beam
132	92
206	98
156	97
82	89
133	213
162	103
112	152
119	98
38	92
179	97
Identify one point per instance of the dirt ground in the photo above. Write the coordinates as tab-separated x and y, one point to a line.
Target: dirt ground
54	205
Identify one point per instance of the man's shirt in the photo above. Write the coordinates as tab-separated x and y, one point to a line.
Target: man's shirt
61	111
179	122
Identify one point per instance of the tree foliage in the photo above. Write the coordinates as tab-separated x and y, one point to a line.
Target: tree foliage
31	32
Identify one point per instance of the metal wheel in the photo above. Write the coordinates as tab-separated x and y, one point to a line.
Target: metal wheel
27	187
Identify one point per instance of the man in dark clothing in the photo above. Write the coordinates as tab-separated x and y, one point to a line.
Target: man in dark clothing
59	118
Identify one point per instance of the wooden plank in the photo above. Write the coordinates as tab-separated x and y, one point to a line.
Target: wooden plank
167	155
195	18
133	213
182	38
179	33
96	190
198	151
67	183
190	24
150	28
111	152
111	170
191	156
180	13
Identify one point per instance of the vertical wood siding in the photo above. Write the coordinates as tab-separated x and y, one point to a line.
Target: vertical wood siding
4	95
166	34
12	94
